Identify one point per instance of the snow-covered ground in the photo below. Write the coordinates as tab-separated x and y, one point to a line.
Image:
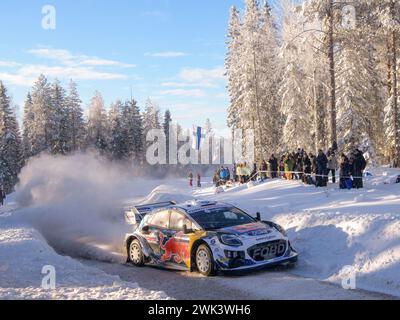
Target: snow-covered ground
333	229
55	215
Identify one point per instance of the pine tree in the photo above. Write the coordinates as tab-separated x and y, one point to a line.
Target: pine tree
28	127
234	68
133	131
296	131
387	13
76	121
116	144
43	125
166	127
151	119
59	120
97	124
10	143
359	99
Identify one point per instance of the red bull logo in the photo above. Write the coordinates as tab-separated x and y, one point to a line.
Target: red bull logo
173	249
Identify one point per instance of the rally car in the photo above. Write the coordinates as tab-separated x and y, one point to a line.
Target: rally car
204	236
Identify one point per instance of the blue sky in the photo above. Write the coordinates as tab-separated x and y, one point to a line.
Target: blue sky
170	50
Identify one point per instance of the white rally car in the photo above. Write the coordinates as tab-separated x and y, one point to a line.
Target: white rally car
205	236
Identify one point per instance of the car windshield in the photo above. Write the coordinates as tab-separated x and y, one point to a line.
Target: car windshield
219	218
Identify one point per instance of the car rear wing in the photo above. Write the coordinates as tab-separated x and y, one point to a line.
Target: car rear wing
137	213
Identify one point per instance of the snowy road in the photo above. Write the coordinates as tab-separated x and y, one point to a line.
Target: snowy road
263	285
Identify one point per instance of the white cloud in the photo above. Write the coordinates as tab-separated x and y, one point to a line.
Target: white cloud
202	75
77	67
9	64
67	58
167	54
195	93
186	85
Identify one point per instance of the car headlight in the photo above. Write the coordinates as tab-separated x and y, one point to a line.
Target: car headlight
230	240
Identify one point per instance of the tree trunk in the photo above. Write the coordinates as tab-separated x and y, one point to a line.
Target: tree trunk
395	89
331	56
316	112
395	101
260	132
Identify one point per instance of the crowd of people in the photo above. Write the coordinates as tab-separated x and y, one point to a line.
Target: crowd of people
300	165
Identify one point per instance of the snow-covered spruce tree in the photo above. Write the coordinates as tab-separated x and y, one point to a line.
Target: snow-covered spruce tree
252	68
10	143
60	120
234	68
358	88
298	125
97	124
76	120
116	143
166	126
28	127
132	124
43	125
387	13
151	119
328	15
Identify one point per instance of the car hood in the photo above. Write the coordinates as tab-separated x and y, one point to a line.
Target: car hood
249	230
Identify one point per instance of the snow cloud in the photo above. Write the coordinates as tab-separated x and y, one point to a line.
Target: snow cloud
76	203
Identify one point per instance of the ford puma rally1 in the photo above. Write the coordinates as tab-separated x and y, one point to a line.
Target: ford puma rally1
204	236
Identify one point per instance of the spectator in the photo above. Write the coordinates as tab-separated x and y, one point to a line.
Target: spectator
273	165
198	181
332	165
359	164
2	195
345	171
322	168
190	177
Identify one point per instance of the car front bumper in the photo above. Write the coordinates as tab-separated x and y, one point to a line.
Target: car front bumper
290	257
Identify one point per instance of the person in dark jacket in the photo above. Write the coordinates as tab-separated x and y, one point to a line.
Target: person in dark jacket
345	172
198	180
307	169
273	165
322	168
234	175
359	164
299	167
253	174
2	195
264	168
190	178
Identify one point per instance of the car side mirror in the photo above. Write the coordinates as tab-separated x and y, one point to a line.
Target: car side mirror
258	217
186	230
146	229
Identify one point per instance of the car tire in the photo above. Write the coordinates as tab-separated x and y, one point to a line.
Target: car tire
135	253
205	261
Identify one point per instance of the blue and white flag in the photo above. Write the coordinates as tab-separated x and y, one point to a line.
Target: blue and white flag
197	138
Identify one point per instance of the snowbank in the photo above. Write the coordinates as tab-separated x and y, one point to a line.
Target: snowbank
72	205
333	229
23	254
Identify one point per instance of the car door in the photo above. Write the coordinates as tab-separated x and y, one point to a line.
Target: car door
158	232
178	247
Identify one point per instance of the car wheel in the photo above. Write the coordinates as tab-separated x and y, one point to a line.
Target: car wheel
136	254
205	261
